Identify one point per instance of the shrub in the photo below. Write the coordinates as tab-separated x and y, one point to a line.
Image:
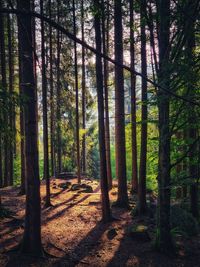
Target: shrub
183	221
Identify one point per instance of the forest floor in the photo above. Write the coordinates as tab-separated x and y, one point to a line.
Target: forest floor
74	235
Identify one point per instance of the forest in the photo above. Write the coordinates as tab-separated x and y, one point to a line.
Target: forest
99	133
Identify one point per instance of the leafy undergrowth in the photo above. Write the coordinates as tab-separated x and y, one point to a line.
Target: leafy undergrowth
74	235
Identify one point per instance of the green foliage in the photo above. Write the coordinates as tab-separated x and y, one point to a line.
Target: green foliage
92	152
17	170
183	221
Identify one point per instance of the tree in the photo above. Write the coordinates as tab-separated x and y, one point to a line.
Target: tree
11	116
22	125
52	126
45	117
105	38
163	239
134	179
119	109
83	90
32	233
192	87
143	152
106	213
77	98
58	111
4	87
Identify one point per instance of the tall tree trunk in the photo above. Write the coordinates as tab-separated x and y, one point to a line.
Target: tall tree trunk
163	239
11	105
105	35
77	98
1	114
1	171
45	117
4	85
134	178
106	213
22	126
119	109
32	233
52	127
179	168
58	116
143	150
83	91
22	148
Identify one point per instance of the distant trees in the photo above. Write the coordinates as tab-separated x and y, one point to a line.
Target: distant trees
158	36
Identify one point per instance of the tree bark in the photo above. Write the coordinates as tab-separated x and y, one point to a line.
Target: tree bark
83	91
143	150
163	238
105	34
122	199
77	98
58	116
134	178
22	126
52	126
32	233
106	213
4	86
45	111
11	105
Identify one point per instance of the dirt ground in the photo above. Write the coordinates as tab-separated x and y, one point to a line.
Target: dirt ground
73	235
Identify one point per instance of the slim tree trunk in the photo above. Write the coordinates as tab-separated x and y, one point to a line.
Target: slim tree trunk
22	126
105	34
1	171
1	114
119	109
58	116
143	152
179	168
134	178
83	91
45	117
32	233
163	238
4	85
51	96
106	213
77	98
11	107
22	147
